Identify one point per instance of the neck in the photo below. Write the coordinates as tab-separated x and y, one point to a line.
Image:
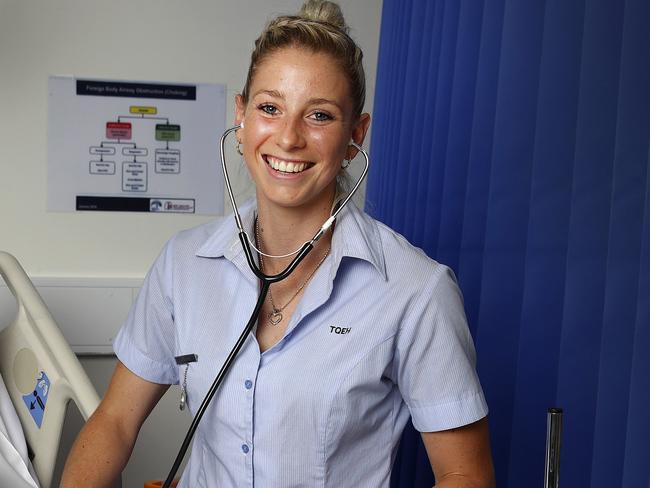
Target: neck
284	229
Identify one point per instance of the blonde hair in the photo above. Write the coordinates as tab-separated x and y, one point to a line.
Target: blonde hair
320	27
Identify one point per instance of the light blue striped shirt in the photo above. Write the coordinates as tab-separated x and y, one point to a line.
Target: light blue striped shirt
379	334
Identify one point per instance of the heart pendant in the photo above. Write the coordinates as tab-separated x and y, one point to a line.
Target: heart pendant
275	317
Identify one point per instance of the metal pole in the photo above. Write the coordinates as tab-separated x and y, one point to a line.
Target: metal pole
553	441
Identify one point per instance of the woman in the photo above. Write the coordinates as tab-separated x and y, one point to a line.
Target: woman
364	333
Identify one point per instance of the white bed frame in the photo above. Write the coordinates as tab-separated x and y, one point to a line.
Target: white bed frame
32	344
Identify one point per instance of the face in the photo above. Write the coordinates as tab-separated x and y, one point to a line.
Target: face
298	123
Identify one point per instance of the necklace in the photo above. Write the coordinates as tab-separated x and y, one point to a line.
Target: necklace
275	316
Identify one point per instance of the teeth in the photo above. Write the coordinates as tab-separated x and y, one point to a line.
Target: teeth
279	165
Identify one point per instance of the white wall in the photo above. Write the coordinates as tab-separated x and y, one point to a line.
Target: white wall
162	40
188	41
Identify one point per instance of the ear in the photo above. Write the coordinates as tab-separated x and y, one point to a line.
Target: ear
240	109
359	132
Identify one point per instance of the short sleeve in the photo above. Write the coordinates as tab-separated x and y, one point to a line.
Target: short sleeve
436	359
146	342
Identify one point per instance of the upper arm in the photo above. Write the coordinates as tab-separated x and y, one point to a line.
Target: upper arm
461	454
435	360
130	399
147	340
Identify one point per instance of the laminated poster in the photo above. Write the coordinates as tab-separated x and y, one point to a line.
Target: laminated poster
134	146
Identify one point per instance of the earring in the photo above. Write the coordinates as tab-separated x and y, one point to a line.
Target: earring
346	162
239	148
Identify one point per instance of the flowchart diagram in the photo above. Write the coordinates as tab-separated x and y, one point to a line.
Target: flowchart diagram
119	142
117	146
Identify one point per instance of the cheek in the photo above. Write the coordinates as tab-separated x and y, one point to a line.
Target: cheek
331	146
256	130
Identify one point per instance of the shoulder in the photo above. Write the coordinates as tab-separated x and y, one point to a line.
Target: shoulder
209	238
410	265
194	237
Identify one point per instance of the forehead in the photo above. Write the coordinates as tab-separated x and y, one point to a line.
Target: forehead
297	72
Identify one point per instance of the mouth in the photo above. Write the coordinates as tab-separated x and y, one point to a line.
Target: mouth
284	166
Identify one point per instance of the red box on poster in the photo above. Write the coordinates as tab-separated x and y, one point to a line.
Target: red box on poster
118	130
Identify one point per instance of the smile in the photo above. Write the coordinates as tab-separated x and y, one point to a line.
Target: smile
287	166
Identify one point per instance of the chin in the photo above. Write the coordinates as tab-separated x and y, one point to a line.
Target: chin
296	201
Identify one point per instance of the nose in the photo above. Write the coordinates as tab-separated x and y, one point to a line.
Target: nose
291	135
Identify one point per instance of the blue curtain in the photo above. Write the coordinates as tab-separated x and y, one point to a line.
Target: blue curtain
511	141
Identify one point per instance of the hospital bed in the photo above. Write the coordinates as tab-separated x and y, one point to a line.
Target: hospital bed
42	375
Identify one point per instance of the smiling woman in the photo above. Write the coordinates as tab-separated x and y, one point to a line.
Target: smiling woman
365	333
299	121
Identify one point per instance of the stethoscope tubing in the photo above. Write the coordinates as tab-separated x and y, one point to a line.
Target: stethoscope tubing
217	383
265	280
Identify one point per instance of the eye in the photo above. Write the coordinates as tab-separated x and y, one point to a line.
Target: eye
268	108
321	116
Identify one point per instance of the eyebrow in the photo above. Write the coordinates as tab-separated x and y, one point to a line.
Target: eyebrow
311	101
273	93
319	101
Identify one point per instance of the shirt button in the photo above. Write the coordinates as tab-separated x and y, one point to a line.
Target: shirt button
245	448
248	384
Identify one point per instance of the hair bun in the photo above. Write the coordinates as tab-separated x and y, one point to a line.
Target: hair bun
324	11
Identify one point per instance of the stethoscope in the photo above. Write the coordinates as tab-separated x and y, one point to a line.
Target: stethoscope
266	282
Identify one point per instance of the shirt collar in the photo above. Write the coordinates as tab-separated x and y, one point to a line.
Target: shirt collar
224	240
356	235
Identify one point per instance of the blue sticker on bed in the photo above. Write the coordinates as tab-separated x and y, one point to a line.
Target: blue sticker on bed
37	400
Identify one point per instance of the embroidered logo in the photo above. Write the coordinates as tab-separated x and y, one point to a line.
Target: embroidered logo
339	330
